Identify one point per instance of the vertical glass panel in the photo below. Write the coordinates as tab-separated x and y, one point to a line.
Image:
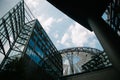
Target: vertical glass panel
6	47
1	57
11	38
35	31
32	55
38	50
13	53
35	38
31	43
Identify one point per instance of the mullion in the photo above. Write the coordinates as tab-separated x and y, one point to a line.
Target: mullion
1	45
16	27
17	18
6	31
13	31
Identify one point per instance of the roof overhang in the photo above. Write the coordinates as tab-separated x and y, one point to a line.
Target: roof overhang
81	10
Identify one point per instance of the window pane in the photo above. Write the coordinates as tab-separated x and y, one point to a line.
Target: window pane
38	50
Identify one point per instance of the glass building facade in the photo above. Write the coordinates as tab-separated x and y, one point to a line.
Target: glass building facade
21	35
41	50
112	15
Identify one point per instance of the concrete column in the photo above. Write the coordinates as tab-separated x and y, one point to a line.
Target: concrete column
108	39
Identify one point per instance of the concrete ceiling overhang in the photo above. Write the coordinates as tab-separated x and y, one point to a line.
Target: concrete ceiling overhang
81	10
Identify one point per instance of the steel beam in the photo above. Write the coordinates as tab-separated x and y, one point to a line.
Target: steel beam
108	39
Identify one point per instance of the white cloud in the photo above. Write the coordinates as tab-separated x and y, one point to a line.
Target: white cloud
48	22
40	18
59	20
56	35
33	3
93	43
40	9
64	38
77	35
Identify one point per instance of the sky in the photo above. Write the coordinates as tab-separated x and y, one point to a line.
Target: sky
6	5
62	30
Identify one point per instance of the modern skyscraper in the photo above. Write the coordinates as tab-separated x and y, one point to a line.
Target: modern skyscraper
25	46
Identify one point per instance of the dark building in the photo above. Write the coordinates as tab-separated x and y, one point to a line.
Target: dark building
43	52
97	62
28	53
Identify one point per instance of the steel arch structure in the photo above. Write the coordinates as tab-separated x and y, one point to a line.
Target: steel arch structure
82	49
74	58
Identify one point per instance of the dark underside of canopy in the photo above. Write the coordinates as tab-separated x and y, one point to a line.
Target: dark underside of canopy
81	10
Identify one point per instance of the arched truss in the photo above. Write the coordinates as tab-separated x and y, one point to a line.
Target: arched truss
74	58
82	49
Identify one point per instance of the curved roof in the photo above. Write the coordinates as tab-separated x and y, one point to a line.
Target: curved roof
74	58
81	49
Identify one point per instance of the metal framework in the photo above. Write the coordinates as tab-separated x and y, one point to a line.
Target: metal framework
21	35
82	49
113	15
74	58
15	30
100	61
42	51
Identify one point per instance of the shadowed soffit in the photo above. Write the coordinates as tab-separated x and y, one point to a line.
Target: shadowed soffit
80	10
